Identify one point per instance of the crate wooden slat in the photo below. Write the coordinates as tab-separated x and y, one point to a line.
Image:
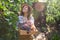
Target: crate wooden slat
23	35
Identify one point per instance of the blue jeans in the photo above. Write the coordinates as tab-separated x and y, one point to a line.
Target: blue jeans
25	28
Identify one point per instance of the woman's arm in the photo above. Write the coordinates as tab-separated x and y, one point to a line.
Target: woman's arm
20	21
32	24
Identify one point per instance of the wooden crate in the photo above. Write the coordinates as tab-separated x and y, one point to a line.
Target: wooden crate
23	35
24	32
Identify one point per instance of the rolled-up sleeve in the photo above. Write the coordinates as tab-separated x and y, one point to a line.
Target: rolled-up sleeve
32	20
20	19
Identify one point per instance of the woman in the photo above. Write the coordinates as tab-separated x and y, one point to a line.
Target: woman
26	20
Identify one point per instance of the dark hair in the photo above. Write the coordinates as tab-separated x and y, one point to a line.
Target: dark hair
29	10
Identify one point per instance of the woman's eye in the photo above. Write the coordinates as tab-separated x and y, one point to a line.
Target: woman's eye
26	8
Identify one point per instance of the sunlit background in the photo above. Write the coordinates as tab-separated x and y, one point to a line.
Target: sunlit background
47	21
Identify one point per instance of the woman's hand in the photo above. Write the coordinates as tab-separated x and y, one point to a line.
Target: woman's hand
33	28
29	23
25	25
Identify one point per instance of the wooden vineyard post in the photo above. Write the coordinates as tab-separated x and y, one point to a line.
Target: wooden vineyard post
41	19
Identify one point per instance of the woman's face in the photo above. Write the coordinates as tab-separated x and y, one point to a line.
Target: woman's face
25	9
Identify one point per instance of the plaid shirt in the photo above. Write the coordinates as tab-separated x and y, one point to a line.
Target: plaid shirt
23	20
